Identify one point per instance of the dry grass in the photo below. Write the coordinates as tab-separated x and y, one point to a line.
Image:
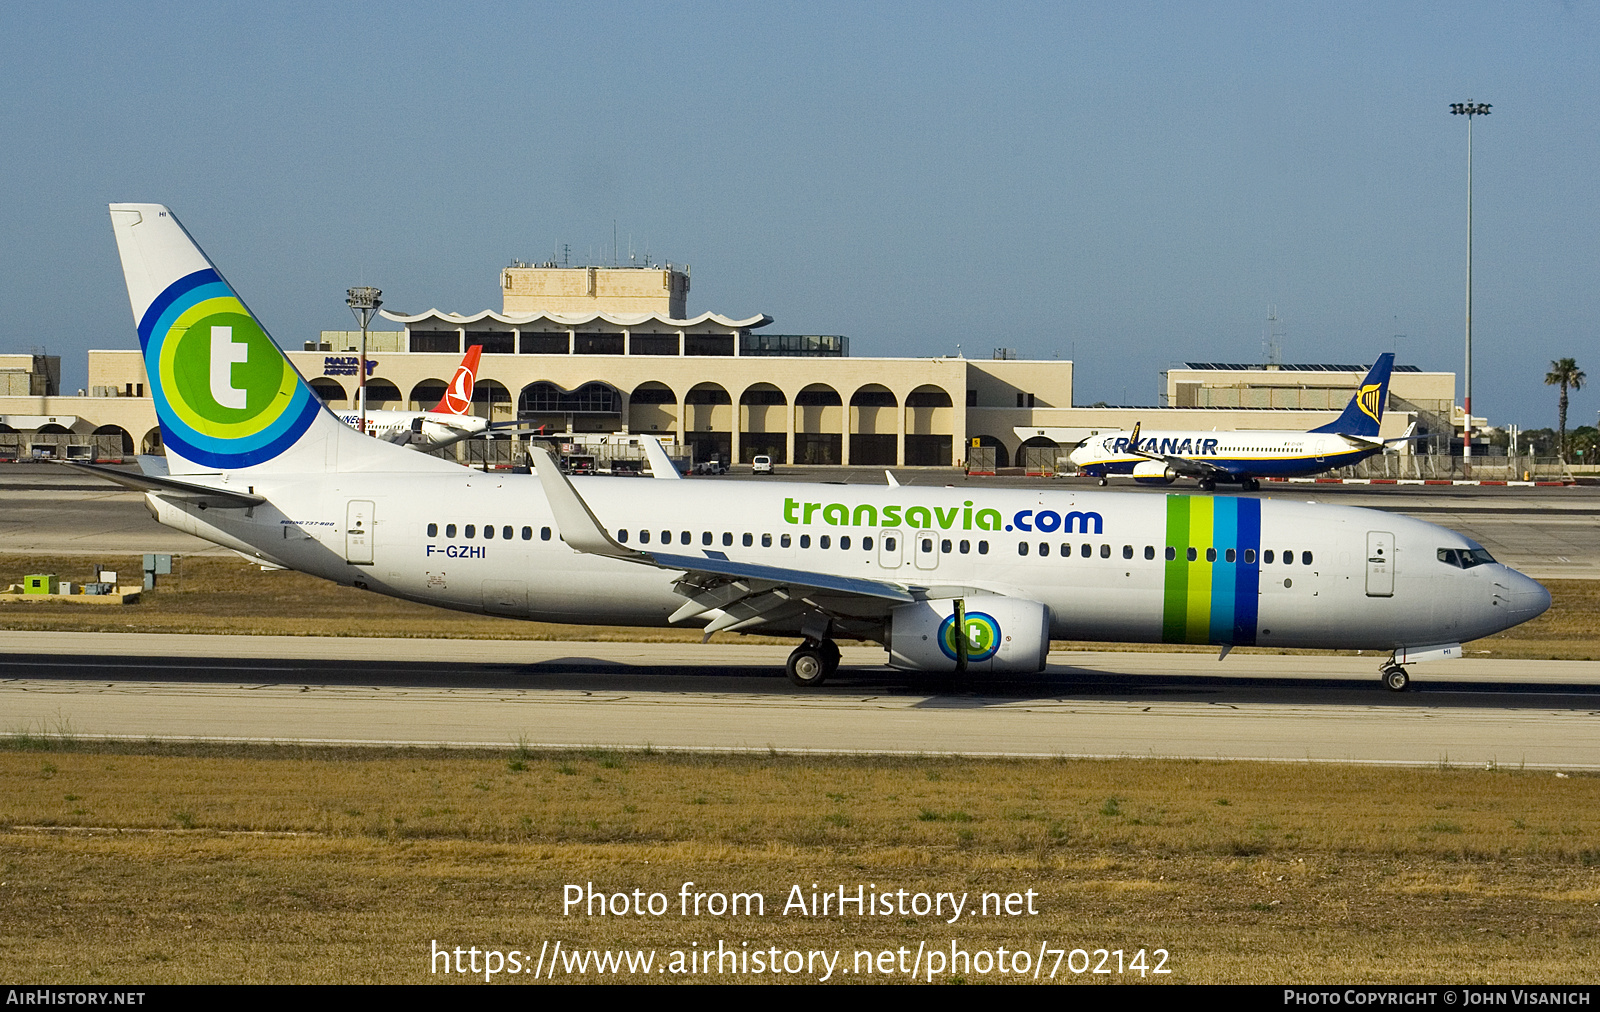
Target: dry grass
221	595
160	863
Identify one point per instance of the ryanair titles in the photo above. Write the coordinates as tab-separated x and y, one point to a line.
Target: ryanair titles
927	518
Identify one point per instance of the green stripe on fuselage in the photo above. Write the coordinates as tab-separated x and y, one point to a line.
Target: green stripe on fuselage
1175	589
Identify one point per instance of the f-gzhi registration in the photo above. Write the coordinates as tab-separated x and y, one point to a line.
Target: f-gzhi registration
947	580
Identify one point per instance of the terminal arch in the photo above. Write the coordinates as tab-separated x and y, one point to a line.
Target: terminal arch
708	422
491	399
382	395
653	407
1038	454
874	426
152	442
818	425
426	395
126	438
763	428
329	391
929	426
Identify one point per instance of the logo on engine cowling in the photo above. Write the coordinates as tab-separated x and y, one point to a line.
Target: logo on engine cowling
982	635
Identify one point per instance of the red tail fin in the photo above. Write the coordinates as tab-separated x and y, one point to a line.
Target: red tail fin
457	399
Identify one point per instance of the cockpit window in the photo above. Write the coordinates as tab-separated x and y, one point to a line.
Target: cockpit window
1464	558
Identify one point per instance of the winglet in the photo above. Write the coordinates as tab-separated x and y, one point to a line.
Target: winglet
661	465
890	475
579	528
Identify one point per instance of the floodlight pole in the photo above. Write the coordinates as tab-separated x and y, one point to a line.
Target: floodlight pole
1469	110
363	302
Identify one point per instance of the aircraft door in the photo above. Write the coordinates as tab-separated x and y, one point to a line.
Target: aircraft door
1322	451
889	548
358	532
1380	564
925	549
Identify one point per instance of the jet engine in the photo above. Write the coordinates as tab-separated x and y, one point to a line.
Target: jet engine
981	633
1154	472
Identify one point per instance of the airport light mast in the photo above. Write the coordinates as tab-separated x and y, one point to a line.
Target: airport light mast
363	302
1468	109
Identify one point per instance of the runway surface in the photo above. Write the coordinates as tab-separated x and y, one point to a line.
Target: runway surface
684	696
1548	533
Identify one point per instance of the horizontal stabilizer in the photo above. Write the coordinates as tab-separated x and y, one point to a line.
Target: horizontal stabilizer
204	495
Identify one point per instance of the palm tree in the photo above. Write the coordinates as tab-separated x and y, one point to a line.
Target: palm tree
1564	373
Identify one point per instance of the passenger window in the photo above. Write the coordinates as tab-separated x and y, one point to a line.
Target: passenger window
1230	556
685	538
784	541
1288	558
805	541
1149	552
470	530
449	530
527	534
944	546
1305	558
825	542
1127	551
644	537
488	532
1193	555
622	536
705	538
1044	549
727	539
1086	551
1066	550
1211	555
966	548
1249	556
1266	556
766	541
1022	548
433	532
1172	553
666	537
844	542
889	544
1105	551
750	539
505	532
544	534
866	544
983	548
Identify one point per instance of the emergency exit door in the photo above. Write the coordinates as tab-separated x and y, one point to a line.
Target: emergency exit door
358	532
1380	564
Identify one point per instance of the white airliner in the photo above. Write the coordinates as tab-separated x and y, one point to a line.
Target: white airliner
1245	457
448	423
948	580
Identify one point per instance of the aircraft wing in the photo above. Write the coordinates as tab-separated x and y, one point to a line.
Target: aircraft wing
746	594
201	494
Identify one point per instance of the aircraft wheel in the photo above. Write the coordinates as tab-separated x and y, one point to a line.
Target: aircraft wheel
830	655
1103	481
1395	678
1252	485
1206	484
808	667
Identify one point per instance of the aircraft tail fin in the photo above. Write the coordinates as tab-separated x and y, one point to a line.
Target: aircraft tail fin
1364	414
226	396
457	399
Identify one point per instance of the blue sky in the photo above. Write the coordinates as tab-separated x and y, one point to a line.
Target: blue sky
1127	185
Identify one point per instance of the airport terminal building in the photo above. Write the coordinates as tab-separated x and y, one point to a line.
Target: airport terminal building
595	351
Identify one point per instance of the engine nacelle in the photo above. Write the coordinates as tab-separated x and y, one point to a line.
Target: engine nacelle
1154	472
1002	634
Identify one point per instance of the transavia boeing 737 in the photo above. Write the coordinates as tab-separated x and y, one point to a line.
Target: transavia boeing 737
948	580
1246	457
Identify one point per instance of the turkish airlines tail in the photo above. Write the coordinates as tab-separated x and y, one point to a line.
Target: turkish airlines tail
457	399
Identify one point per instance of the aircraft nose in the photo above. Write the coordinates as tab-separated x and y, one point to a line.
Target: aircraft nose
1529	598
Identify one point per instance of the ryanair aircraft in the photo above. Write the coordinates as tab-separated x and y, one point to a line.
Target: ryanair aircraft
1244	458
948	580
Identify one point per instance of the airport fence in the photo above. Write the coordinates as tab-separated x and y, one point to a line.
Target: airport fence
1438	466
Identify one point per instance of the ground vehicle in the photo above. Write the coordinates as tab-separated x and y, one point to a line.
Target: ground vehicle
762	464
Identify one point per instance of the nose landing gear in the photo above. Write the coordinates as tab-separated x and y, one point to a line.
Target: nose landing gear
812	662
1394	677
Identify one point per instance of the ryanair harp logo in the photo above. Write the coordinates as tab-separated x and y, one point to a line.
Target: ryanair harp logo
1368	400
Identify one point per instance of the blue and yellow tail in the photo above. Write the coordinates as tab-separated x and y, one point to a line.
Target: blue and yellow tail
1363	416
226	396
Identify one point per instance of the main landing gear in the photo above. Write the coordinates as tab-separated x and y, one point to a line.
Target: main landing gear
1252	484
812	662
1394	677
